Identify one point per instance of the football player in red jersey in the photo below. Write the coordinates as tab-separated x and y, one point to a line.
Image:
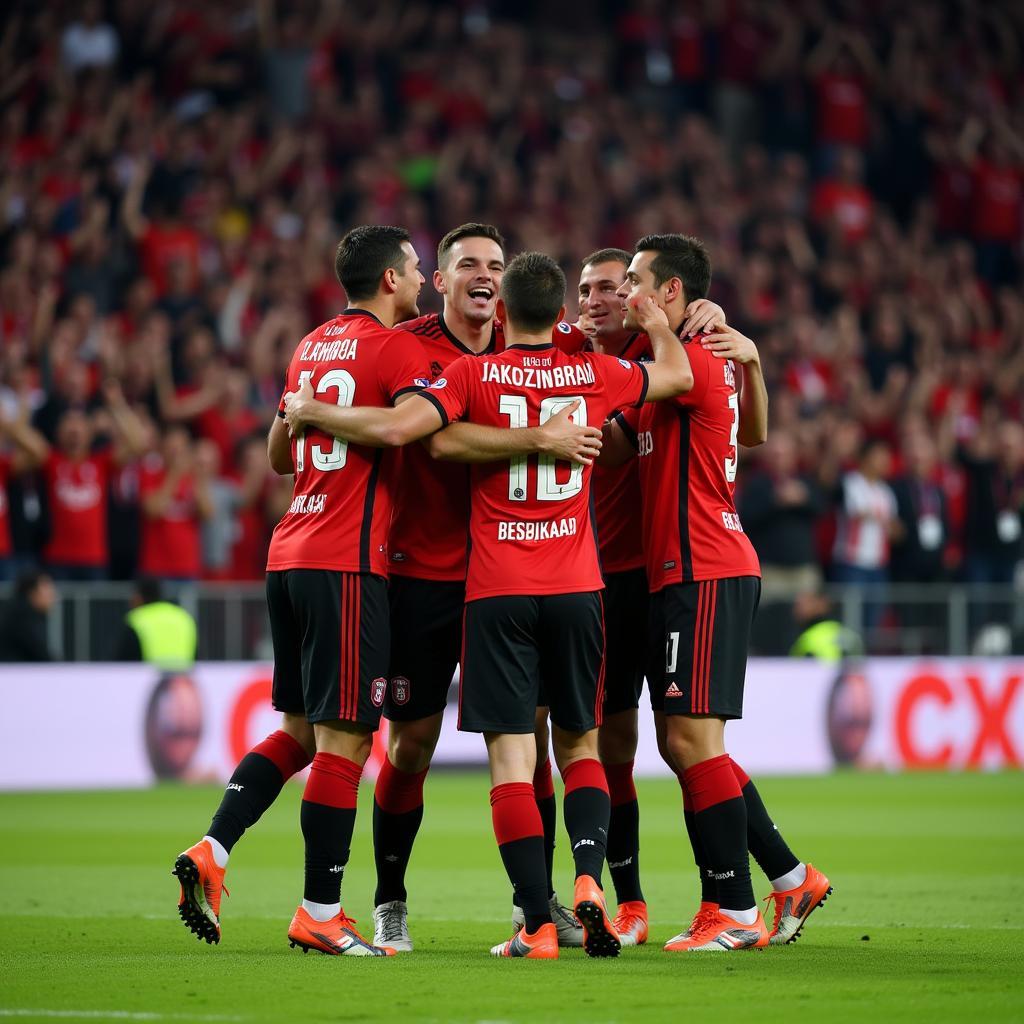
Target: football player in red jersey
704	578
427	588
326	594
619	532
534	608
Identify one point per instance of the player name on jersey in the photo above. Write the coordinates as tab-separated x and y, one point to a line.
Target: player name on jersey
533	374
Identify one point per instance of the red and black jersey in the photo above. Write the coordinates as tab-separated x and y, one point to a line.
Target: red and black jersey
341	505
530	524
688	456
430	527
617	497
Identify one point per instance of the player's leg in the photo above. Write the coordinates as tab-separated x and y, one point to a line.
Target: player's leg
626	603
498	697
256	781
572	665
703	687
426	637
345	649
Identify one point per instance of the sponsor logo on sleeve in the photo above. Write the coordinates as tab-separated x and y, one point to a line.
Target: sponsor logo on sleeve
441	382
564	327
421	382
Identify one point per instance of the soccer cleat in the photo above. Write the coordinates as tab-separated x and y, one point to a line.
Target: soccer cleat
570	931
794	906
391	926
718	933
631	922
541	945
201	885
706	912
599	935
336	937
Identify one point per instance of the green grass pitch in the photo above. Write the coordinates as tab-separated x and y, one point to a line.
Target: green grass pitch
926	923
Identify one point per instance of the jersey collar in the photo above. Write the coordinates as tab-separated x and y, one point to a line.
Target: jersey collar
458	344
532	348
356	311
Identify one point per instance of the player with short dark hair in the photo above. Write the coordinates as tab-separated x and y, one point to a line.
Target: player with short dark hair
533	607
704	579
327	598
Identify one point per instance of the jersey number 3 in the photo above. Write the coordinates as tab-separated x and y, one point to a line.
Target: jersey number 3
335	458
548	487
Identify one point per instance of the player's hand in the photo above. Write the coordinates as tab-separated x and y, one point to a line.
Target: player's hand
701	315
727	343
570	441
649	314
298	408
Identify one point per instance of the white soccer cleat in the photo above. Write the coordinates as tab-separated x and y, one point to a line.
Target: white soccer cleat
570	931
391	926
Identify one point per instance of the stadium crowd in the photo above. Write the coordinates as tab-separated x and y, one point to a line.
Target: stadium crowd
174	177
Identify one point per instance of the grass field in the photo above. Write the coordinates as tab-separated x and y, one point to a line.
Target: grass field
925	923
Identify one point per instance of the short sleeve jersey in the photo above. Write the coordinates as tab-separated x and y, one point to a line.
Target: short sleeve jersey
169	544
530	525
430	527
341	504
617	497
77	496
688	458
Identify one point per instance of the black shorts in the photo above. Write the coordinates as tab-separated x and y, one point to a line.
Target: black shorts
331	644
426	640
511	644
698	639
626	600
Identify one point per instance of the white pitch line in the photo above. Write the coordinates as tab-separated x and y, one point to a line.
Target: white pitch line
111	1015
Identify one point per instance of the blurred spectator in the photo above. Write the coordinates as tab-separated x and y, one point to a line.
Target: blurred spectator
918	555
89	42
157	631
778	508
29	450
821	635
175	498
23	620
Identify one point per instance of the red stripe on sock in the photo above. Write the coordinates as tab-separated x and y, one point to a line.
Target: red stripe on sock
333	781
587	773
287	753
543	784
712	782
687	799
399	792
621	788
514	812
741	776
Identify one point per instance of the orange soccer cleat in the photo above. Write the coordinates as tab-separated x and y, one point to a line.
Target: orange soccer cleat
713	931
201	885
631	922
541	945
599	935
794	906
336	937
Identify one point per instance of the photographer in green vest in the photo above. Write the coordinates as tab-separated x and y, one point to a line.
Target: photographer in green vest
156	631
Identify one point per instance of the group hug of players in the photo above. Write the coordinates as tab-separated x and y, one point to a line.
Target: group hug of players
603	548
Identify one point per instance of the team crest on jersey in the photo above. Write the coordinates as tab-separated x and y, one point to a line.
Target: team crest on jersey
435	369
564	327
440	382
377	690
401	690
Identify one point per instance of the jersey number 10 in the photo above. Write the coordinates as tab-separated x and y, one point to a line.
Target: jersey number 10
548	487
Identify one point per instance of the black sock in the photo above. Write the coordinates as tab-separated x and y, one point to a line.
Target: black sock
720	819
708	885
517	828
255	785
624	833
328	817
397	815
587	810
767	846
544	793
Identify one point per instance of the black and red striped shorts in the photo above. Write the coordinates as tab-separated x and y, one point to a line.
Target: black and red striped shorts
698	638
332	640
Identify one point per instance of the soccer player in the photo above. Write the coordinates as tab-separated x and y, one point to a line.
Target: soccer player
428	558
534	606
705	582
326	594
619	531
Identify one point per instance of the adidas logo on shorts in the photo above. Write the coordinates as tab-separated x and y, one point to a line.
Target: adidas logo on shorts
673	691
